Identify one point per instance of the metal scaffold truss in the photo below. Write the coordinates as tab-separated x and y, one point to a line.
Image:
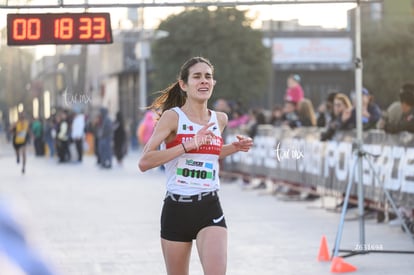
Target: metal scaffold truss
46	4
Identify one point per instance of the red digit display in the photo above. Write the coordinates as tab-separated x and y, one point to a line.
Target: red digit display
26	29
64	28
98	27
58	28
33	32
85	28
19	29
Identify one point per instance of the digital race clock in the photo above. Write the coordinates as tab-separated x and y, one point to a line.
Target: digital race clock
58	28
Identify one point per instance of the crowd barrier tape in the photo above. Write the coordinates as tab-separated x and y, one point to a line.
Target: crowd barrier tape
298	156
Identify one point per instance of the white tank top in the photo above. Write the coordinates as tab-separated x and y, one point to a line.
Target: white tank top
198	170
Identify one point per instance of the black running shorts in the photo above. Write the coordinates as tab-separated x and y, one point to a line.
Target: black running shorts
184	216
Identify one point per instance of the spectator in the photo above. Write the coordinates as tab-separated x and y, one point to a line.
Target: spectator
342	112
221	105
62	138
393	112
146	127
276	118
406	122
371	112
94	127
37	132
391	115
49	136
306	113
105	136
238	119
78	133
325	111
290	115
294	91
257	118
120	140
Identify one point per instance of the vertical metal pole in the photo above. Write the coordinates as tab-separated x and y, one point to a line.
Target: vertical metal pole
344	208
271	77
142	62
358	108
142	83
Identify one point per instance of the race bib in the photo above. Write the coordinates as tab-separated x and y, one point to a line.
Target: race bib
196	173
20	137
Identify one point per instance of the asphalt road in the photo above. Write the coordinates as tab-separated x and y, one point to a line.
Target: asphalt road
87	221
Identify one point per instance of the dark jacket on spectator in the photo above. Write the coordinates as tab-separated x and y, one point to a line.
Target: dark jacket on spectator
370	123
405	124
335	125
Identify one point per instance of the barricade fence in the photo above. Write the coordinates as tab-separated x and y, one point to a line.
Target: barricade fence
298	156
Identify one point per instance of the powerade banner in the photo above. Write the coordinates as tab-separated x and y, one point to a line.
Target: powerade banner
298	156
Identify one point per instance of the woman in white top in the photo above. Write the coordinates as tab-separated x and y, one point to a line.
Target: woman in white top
189	135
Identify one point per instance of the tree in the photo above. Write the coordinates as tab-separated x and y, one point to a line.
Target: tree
225	37
388	54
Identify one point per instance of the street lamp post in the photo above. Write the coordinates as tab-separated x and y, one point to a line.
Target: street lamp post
143	53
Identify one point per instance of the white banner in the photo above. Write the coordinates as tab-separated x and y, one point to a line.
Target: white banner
312	50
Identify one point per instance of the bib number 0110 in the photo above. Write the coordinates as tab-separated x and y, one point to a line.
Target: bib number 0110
194	173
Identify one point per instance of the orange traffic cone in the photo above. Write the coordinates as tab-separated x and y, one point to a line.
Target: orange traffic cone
323	255
340	266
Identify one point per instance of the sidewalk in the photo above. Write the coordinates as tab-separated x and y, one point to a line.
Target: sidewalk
89	221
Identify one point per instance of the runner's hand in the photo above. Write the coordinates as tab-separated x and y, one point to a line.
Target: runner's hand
243	144
203	136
